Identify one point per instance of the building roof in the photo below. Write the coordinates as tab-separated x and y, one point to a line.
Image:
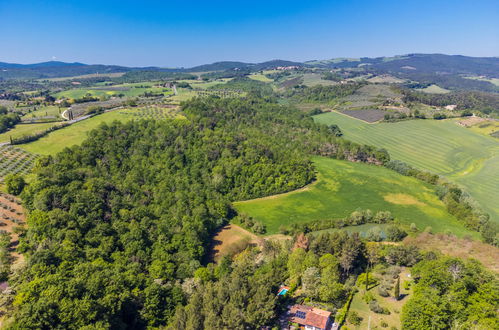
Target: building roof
310	316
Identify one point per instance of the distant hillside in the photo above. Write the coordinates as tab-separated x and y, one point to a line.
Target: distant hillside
220	66
54	70
447	71
445	64
426	63
228	65
39	65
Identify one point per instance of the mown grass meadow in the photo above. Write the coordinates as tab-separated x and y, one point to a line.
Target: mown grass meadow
442	147
342	187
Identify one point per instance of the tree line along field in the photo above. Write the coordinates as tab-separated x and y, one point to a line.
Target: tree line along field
442	147
25	129
342	187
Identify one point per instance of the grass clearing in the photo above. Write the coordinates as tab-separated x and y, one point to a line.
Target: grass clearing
342	187
442	147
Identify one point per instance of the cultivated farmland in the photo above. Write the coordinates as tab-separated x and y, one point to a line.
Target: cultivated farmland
14	160
152	112
442	147
342	187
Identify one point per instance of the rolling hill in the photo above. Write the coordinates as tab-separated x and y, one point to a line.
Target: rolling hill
442	147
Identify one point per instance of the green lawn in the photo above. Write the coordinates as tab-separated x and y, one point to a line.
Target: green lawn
442	147
24	129
343	187
72	135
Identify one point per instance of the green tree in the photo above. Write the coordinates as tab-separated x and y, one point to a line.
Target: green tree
14	183
396	290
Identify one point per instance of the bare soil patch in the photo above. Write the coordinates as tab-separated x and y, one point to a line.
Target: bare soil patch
230	240
450	245
402	199
470	121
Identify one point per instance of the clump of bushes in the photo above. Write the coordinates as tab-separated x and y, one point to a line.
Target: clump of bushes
255	226
354	318
358	217
377	308
439	116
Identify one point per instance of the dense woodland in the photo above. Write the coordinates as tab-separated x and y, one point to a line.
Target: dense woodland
7	120
321	93
484	102
119	227
116	223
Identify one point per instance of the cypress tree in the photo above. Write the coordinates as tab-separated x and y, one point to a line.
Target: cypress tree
367	278
396	293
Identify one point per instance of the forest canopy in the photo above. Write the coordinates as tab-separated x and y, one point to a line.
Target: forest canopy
117	223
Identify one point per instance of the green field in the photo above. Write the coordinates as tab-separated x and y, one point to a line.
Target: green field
75	134
24	129
260	77
442	147
71	135
343	187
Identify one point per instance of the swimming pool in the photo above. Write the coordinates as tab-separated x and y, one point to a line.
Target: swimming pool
282	292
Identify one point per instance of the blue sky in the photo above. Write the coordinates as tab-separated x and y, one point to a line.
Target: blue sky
186	33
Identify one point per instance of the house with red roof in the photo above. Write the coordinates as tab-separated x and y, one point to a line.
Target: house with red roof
310	318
